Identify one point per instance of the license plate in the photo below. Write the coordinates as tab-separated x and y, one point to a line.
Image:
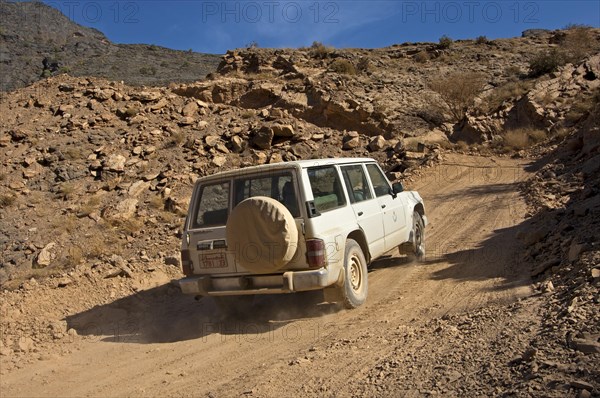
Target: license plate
213	260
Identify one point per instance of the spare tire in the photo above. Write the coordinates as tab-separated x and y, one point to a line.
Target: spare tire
262	233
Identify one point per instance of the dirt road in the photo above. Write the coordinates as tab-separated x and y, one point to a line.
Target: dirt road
158	343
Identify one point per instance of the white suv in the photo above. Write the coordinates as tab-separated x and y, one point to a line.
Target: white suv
297	226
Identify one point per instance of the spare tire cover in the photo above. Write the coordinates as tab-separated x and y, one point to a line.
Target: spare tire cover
262	233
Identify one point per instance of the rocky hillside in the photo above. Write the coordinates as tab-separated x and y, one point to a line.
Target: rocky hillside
37	41
94	165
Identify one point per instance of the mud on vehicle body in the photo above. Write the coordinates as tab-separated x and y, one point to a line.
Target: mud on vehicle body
297	226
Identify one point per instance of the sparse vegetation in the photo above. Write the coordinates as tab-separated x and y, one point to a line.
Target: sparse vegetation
458	91
578	43
342	66
445	42
422	57
247	114
66	190
148	70
90	206
363	65
509	91
481	40
6	200
523	138
127	226
320	51
546	62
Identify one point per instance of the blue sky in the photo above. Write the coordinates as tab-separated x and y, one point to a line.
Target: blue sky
216	26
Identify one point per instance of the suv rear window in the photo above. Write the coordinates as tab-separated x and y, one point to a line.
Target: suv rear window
212	207
278	186
326	188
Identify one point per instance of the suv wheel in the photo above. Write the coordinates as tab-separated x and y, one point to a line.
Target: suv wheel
418	246
355	287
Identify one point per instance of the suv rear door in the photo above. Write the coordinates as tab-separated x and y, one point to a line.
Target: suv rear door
206	229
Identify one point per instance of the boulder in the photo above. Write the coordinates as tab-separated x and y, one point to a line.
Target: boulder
237	144
263	138
283	130
377	143
115	163
45	256
190	109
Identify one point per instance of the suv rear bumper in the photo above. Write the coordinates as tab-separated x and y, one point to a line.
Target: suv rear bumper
290	281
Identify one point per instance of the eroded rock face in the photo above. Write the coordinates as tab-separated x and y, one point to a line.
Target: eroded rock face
546	106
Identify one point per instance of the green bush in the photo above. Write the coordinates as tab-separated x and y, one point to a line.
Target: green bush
546	62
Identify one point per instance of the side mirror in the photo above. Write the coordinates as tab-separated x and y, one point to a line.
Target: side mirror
397	188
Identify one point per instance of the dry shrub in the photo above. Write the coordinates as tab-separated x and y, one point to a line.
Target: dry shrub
509	91
445	42
458	91
516	139
422	57
578	43
546	62
462	145
71	257
247	114
523	138
342	66
513	72
90	206
481	40
156	202
66	190
103	242
363	65
6	200
536	136
583	106
320	51
64	225
127	226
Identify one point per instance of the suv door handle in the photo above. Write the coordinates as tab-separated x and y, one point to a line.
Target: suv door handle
360	213
383	206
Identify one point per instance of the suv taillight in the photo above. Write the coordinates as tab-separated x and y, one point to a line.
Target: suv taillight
186	264
315	252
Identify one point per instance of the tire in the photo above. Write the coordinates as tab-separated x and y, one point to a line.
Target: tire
355	287
263	235
418	244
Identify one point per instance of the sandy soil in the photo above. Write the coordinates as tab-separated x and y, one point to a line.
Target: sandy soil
159	343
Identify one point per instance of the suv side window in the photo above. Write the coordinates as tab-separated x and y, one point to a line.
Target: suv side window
380	183
326	188
212	207
356	183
